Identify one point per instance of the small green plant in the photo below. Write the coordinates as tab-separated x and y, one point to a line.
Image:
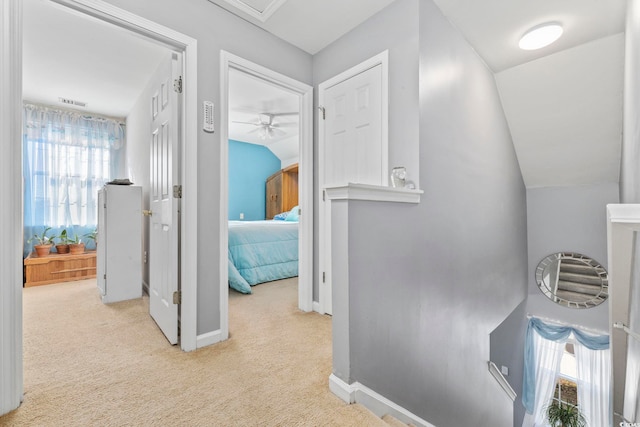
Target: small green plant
564	415
75	240
93	235
63	237
42	239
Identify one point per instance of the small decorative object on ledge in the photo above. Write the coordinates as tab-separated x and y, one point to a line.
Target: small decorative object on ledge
398	176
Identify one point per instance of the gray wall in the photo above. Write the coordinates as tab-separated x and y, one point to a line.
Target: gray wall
216	30
630	173
433	281
568	219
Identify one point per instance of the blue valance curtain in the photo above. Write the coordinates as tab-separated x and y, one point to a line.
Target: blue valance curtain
544	344
67	158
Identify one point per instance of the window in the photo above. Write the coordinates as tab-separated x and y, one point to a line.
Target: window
67	158
566	390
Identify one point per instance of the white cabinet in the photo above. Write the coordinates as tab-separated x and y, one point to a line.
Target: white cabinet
119	243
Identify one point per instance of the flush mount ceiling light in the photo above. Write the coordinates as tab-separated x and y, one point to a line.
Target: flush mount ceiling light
541	36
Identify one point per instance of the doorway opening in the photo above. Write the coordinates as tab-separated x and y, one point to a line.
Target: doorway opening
286	103
100	16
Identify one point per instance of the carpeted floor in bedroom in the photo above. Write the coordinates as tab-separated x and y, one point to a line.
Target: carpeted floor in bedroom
90	364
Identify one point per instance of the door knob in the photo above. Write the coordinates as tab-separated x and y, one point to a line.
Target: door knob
147	212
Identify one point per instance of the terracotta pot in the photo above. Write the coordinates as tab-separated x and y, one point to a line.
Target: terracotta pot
76	248
62	249
42	250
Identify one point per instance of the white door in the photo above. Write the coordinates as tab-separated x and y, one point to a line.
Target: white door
352	148
164	220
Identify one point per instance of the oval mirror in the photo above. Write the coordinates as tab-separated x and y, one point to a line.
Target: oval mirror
573	280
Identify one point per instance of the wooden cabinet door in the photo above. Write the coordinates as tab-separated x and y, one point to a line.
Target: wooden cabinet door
274	195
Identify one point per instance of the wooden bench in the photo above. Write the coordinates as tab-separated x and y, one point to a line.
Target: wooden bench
56	268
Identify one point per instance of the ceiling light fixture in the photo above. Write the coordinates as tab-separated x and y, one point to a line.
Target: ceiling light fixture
540	36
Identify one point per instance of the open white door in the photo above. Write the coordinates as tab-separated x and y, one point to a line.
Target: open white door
353	145
165	199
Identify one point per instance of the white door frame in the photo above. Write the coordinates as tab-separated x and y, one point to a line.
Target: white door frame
623	224
305	179
324	221
11	372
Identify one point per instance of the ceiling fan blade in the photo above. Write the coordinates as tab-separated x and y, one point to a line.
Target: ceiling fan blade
285	113
248	123
276	132
286	124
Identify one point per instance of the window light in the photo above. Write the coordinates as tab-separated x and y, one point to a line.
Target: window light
541	36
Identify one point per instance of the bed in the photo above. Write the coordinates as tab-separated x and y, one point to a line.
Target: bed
261	251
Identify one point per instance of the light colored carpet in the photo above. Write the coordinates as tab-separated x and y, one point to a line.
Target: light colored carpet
90	364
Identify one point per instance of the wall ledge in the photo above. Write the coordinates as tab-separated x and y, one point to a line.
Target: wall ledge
375	193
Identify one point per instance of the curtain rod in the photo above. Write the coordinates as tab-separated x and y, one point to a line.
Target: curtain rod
561	323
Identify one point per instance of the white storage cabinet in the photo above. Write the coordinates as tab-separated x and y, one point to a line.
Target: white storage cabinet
119	243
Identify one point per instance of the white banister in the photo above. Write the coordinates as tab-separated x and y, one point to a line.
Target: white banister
502	381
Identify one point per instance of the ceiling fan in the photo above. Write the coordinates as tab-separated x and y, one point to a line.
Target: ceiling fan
267	127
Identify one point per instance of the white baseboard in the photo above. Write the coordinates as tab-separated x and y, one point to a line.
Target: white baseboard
341	389
145	288
209	338
375	402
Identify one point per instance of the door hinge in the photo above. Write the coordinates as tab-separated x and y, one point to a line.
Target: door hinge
177	85
177	297
323	277
177	191
105	276
323	111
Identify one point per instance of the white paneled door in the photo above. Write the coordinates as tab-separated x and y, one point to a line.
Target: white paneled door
164	202
352	146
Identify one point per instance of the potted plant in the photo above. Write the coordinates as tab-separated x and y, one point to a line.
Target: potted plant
564	415
93	235
62	247
43	247
76	246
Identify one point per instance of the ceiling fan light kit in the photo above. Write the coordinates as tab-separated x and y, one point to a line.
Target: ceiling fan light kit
541	36
266	126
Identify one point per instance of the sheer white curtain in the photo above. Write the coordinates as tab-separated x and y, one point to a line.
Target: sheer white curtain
67	158
547	357
594	379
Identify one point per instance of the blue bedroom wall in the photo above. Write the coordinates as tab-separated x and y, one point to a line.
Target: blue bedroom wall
249	167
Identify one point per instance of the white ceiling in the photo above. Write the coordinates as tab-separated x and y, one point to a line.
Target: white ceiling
563	102
251	101
494	27
80	58
309	24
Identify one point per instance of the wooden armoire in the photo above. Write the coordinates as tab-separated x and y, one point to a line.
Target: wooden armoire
282	191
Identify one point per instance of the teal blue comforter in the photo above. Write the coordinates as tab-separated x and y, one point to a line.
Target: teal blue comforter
261	251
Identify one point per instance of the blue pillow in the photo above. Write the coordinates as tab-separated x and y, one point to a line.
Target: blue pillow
281	216
293	214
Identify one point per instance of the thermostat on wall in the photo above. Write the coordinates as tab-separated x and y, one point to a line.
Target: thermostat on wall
207	124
